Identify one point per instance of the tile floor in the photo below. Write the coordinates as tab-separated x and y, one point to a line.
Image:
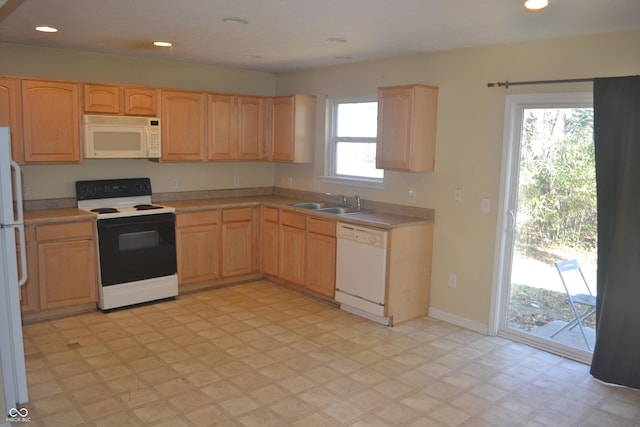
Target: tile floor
261	355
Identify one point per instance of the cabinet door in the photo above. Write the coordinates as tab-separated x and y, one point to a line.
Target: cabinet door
67	273
394	125
183	126
237	248
51	121
196	250
250	137
140	101
320	264
101	99
11	115
222	127
292	248
237	241
270	234
407	117
282	123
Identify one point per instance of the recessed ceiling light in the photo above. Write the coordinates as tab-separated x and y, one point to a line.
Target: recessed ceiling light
163	44
535	5
253	56
46	29
238	21
337	40
345	58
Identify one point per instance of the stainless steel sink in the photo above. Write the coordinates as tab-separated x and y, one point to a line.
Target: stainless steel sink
311	205
343	210
329	208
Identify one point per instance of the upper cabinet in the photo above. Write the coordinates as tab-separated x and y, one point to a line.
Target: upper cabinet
51	121
183	125
140	101
11	115
221	139
250	127
236	127
407	128
132	101
292	128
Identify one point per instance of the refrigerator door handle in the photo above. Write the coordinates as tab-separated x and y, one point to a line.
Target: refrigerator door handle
22	243
17	176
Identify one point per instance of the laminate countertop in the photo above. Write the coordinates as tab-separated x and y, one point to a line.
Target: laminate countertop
378	219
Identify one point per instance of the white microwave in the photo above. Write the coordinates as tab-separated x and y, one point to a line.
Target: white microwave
121	137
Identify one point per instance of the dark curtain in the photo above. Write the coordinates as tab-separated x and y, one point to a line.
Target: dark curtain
616	103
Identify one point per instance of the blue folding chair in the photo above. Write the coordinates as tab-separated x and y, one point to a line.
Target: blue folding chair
587	300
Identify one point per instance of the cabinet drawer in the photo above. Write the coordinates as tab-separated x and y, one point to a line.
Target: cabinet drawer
321	226
240	214
270	214
293	219
196	218
67	231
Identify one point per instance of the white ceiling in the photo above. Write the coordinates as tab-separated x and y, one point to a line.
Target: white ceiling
292	34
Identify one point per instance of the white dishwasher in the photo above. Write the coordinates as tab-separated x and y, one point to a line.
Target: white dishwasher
361	270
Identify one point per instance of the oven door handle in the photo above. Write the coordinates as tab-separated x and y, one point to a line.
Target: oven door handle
135	220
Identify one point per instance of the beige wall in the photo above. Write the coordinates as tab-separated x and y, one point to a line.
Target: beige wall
469	141
57	181
470	129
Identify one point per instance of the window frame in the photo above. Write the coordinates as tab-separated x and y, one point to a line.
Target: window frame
331	143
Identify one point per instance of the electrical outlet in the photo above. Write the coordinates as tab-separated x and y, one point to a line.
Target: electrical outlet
412	196
174	183
453	281
457	195
236	180
486	205
25	190
288	181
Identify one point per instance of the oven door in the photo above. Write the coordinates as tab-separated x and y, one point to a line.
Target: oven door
136	248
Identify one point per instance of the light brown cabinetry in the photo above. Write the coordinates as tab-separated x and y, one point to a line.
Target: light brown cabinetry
197	246
292	128
11	115
292	246
320	256
132	101
183	125
409	272
270	240
66	264
51	121
235	127
407	118
237	241
140	101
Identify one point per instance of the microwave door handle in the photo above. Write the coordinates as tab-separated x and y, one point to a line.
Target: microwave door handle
146	142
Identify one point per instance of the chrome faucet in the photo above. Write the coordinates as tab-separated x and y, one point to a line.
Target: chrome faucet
341	199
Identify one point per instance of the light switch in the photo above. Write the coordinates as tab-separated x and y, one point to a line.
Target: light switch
486	205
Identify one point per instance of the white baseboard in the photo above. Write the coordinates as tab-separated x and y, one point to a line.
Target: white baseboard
459	321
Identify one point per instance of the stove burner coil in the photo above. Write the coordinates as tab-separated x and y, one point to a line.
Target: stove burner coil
146	207
104	210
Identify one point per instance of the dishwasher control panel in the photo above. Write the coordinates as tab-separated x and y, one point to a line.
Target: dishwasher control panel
367	236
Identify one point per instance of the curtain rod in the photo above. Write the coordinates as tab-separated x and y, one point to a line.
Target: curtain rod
537	82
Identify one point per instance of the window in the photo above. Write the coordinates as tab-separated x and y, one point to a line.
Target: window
354	129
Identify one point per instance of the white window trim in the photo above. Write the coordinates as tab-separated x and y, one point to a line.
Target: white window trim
330	176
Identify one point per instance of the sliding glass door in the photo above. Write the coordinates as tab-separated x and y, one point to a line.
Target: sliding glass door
548	216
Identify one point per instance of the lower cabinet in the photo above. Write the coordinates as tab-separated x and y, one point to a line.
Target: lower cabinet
292	246
270	232
196	246
320	256
237	241
62	266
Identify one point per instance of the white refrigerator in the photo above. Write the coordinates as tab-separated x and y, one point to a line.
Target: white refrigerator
13	274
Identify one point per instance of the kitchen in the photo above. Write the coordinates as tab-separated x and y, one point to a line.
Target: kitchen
468	156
